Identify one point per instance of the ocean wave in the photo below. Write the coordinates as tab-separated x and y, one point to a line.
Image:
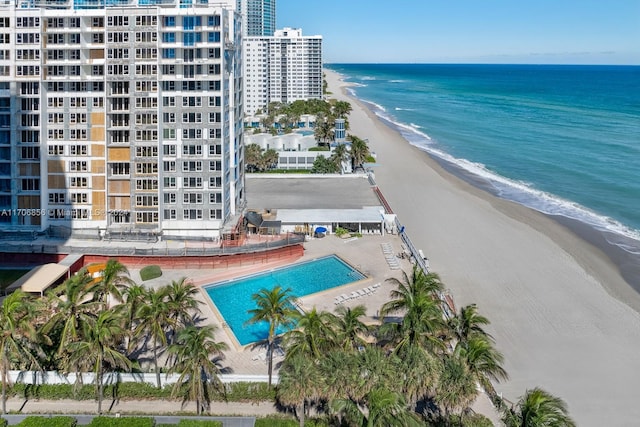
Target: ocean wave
402	126
367	78
397	81
547	203
404	109
521	192
377	107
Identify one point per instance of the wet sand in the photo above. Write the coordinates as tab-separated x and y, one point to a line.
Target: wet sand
561	311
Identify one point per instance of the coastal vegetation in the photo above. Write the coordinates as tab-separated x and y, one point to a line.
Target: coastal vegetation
418	364
103	324
150	272
284	118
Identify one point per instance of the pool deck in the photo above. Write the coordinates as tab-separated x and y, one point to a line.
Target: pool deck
364	254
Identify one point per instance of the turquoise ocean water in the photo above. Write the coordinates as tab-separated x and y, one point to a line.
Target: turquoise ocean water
564	140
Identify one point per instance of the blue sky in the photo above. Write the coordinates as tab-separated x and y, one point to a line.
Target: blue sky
470	31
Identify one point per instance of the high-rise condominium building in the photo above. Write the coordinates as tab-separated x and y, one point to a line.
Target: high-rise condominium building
258	17
120	115
283	68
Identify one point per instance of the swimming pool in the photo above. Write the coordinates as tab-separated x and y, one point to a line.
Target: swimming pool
233	299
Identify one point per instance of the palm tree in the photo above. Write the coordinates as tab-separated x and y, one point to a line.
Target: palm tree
483	360
359	151
113	279
197	355
155	320
73	309
98	349
134	296
19	340
323	129
313	336
274	307
468	323
299	383
340	373
418	373
456	386
350	329
423	321
341	109
182	298
340	154
538	408
388	408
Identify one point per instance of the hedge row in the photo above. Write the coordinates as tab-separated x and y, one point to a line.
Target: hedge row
63	421
236	392
35	421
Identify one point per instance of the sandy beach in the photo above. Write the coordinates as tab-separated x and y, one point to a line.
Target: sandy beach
562	314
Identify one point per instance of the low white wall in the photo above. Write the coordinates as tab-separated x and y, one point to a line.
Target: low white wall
54	377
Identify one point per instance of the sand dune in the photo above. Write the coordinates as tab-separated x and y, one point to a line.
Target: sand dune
544	289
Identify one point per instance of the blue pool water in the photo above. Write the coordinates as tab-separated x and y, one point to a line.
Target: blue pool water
233	298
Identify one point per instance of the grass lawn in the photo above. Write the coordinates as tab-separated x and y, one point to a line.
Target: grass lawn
7	277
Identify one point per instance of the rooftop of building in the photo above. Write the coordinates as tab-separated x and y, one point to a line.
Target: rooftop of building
309	192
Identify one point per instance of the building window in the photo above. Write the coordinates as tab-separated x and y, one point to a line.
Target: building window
57	198
56	150
192	214
78	182
146	217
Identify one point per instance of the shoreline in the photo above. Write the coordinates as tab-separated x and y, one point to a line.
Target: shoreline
562	314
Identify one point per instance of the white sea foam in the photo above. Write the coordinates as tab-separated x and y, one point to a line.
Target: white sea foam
368	78
404	109
401	126
397	81
377	108
521	192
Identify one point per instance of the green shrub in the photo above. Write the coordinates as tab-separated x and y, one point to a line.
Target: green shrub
3	422
280	421
340	231
122	422
150	272
34	421
319	148
199	423
236	392
276	422
54	391
473	420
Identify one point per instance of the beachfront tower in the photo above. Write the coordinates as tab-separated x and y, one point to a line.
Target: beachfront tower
258	17
120	117
285	67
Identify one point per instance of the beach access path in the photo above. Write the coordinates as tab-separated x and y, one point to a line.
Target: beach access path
548	294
